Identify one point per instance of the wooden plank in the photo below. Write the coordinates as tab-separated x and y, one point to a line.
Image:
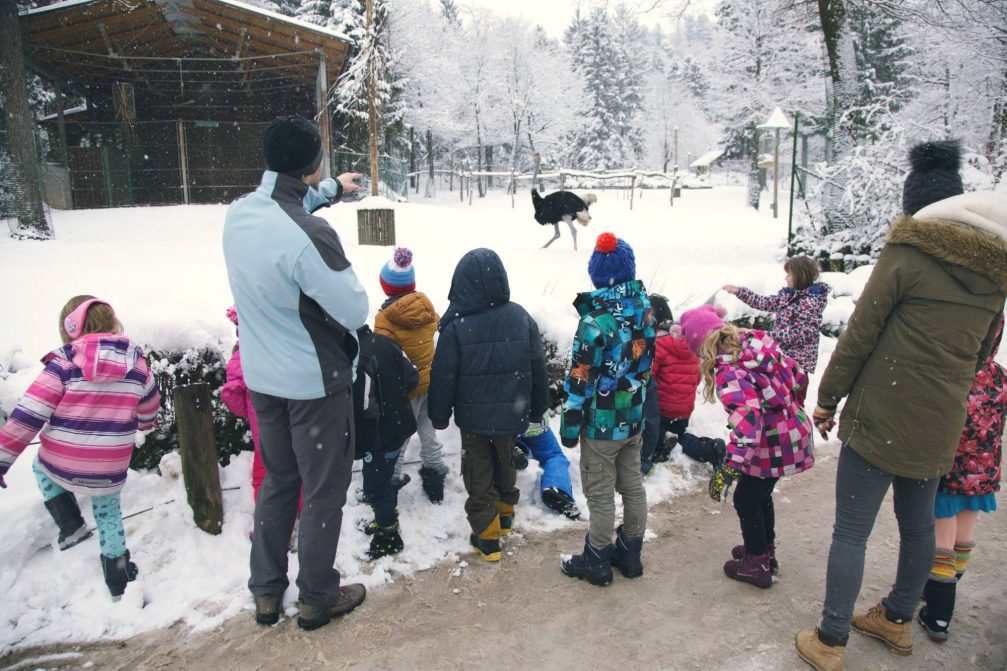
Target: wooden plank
62	36
376	227
80	14
198	450
291	37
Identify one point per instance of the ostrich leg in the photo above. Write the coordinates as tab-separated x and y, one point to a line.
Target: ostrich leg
554	237
573	232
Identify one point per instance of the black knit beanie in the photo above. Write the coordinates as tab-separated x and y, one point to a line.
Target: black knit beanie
933	174
292	145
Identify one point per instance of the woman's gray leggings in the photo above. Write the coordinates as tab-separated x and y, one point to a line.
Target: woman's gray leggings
860	489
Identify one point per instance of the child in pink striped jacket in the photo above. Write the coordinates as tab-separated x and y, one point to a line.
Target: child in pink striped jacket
95	392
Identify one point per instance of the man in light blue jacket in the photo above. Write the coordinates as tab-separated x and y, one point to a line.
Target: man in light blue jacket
299	304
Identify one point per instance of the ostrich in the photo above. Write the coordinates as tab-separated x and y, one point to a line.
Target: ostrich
562	206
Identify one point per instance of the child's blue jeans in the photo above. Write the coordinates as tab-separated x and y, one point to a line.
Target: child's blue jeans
107	514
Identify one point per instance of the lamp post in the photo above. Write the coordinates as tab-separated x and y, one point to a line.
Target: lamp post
777	121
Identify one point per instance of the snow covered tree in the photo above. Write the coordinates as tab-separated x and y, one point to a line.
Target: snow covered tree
601	49
364	91
21	173
372	56
449	10
765	49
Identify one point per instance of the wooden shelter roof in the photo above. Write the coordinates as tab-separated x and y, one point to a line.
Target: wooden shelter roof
214	46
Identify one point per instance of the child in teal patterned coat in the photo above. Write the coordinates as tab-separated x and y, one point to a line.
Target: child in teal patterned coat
610	366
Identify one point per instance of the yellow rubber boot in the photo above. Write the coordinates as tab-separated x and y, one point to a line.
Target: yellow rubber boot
506	511
487	542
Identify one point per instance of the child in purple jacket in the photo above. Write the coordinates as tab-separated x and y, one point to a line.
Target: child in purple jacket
798	307
771	436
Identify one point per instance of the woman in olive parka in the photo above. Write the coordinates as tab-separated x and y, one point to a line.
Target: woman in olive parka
923	326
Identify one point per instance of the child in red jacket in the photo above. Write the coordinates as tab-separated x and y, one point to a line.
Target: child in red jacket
676	370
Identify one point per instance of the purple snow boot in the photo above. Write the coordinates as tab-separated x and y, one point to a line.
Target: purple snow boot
738	551
753	569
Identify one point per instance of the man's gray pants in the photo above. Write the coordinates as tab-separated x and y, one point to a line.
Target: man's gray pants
305	443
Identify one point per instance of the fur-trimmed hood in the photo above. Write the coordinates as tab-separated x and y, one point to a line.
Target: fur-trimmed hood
969	231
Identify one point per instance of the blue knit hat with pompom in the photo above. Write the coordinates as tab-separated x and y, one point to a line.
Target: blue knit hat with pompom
612	262
397	276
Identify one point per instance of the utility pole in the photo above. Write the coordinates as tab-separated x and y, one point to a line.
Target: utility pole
372	100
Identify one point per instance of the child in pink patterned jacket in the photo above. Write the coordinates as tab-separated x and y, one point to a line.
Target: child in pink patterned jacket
94	393
237	399
771	436
798	307
234	394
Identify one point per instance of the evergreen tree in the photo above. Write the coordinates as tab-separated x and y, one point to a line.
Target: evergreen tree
369	53
601	52
318	12
449	10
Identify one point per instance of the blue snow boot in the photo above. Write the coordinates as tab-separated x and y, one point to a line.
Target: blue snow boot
626	556
594	565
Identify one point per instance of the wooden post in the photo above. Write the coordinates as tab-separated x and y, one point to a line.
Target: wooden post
776	176
322	102
376	227
470	186
632	190
451	173
183	162
562	181
196	446
64	151
676	147
674	181
414	180
372	108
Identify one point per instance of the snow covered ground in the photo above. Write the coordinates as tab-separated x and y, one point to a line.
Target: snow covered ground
162	269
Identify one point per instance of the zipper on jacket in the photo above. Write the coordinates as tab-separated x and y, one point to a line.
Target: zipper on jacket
856	416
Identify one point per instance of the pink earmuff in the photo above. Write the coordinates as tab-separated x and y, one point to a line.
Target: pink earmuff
74	322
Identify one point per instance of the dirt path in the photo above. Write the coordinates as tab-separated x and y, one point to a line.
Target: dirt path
523	613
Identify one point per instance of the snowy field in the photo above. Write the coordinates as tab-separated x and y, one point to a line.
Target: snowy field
163	271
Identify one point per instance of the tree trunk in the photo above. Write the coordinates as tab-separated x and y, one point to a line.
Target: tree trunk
32	222
754	176
843	73
996	146
414	180
372	108
488	155
431	175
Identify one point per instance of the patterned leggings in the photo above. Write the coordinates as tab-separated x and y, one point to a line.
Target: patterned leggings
107	515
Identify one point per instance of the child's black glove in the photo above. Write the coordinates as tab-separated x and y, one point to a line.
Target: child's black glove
569	442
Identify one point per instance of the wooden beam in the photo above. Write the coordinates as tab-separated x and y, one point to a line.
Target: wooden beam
273	35
63	35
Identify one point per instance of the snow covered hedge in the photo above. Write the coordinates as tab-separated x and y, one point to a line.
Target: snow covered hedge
172	368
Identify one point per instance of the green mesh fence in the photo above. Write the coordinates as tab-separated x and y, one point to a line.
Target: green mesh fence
391	171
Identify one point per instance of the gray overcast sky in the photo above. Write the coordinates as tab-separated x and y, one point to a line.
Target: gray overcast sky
555	15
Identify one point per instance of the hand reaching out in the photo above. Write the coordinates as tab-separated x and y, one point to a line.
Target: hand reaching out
824	421
346	181
730	288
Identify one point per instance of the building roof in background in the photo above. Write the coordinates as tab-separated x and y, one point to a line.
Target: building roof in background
167	45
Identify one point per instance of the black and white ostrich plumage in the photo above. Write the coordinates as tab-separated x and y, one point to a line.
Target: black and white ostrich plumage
562	206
